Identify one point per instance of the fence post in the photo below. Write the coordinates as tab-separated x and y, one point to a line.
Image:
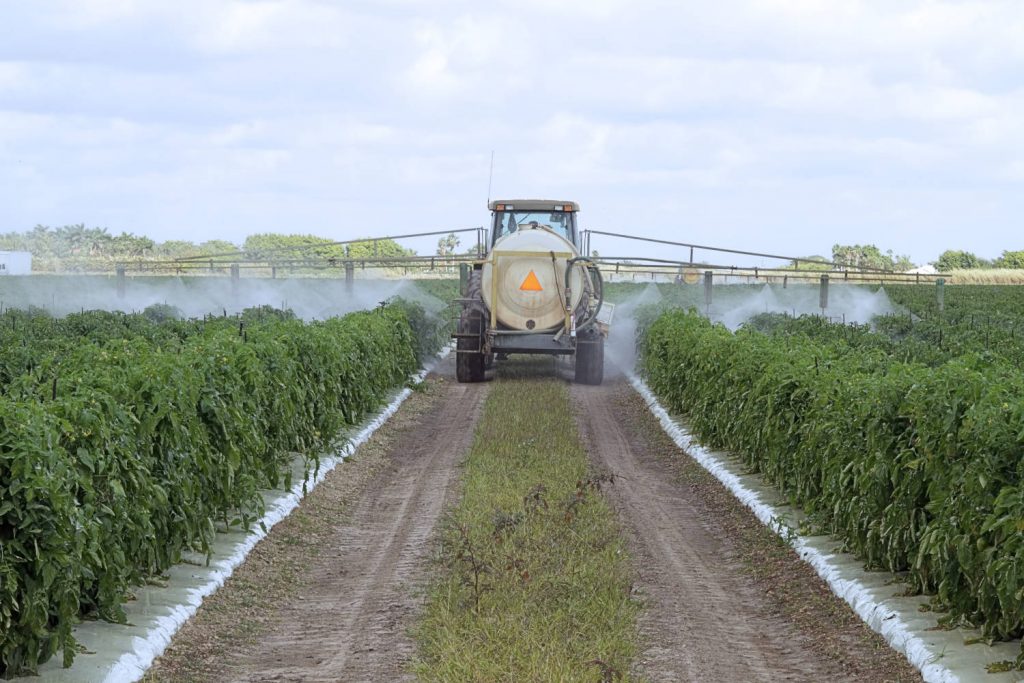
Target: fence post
940	290
708	275
823	294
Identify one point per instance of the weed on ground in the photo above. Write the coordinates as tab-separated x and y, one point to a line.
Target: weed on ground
533	581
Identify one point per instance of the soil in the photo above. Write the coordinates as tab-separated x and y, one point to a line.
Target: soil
331	593
724	599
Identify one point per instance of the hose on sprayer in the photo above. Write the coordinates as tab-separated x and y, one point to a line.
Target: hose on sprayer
592	268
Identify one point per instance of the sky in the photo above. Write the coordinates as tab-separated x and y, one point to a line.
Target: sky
783	126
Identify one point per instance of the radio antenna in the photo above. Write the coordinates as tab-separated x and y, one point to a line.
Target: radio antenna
490	177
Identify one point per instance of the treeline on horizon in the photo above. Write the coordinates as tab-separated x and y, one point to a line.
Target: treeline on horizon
870	256
77	245
79	242
956	259
72	247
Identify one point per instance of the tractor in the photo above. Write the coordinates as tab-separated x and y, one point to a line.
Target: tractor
535	291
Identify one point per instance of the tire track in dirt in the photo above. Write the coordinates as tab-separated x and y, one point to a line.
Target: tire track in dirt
350	619
704	620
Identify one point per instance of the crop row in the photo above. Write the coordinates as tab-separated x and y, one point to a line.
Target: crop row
125	442
974	303
931	341
916	468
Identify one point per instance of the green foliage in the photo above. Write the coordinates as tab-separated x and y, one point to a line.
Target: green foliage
430	332
811	263
954	259
76	247
309	246
377	249
70	241
1010	259
125	442
446	245
173	249
445	289
869	256
273	245
158	313
915	465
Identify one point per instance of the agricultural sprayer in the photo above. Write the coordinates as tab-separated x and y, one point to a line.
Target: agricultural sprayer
535	291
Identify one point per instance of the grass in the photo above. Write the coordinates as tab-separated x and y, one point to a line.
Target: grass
533	581
988	276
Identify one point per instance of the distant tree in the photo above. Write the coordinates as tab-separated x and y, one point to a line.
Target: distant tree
955	259
71	240
278	246
217	247
173	249
869	256
16	241
1010	259
134	246
446	245
815	262
99	242
377	249
901	262
176	249
77	247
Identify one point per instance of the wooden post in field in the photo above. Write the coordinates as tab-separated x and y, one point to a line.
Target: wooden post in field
940	292
823	294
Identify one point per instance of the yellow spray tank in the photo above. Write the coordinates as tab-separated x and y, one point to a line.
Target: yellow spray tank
523	281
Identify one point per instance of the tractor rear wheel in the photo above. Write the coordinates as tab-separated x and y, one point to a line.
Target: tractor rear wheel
590	358
469	361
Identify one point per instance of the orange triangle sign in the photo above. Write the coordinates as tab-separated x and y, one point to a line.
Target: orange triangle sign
531	283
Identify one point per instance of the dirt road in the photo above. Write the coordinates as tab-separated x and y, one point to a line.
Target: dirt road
348	613
707	618
330	594
349	622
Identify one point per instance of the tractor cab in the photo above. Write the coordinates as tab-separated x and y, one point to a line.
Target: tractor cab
514	215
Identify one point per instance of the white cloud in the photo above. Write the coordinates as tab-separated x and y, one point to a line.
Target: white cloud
241	26
812	119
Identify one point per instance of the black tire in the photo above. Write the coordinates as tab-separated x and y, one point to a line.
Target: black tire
590	359
469	362
469	366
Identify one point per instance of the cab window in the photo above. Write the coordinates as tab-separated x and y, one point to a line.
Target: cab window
558	222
